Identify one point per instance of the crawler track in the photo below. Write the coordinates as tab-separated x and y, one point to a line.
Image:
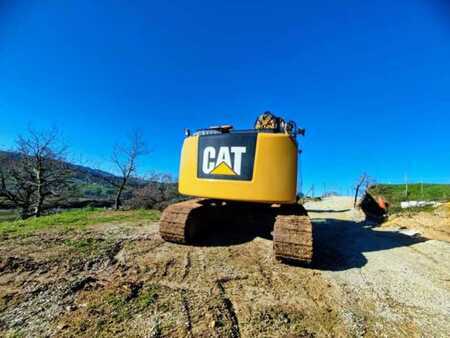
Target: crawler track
292	230
178	222
292	236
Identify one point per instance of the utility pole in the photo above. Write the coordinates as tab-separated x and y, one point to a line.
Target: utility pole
406	185
421	188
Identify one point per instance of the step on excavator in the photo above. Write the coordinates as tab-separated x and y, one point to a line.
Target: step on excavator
245	176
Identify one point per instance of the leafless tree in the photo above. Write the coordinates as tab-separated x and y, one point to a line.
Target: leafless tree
158	193
15	186
38	172
125	158
363	181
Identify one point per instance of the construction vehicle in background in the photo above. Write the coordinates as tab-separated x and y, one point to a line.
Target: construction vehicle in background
245	176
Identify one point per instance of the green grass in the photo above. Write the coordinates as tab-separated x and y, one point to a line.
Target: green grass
95	190
75	219
14	334
88	246
149	296
122	308
396	193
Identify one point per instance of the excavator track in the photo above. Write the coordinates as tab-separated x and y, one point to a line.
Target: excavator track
178	221
292	230
292	237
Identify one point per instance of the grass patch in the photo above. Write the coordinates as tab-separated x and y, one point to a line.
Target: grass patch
396	193
88	246
76	219
15	334
149	296
119	308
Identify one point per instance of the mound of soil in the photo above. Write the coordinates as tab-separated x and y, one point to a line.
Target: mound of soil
433	224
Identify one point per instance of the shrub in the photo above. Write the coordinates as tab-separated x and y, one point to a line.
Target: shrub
157	194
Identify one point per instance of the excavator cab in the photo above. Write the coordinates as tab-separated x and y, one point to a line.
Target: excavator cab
230	171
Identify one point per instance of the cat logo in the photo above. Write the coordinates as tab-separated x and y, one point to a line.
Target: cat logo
227	161
226	156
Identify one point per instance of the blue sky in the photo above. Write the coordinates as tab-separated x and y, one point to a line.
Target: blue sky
370	80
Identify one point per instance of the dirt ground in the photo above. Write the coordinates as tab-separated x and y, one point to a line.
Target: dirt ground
123	280
434	224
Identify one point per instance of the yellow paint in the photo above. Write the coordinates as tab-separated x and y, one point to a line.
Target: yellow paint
274	173
223	169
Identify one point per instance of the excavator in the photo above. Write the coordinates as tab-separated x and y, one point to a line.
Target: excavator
245	176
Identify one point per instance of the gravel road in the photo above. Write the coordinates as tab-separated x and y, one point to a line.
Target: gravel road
393	275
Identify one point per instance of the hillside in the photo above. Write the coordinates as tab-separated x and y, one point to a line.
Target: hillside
396	193
87	182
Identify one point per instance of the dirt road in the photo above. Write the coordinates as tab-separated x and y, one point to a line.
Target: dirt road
365	282
399	283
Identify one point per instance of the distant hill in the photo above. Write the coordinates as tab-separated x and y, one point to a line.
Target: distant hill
79	170
91	187
87	182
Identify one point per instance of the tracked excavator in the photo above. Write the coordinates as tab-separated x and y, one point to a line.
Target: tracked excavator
245	176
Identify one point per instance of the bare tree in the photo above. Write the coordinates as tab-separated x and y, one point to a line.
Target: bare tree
125	158
362	180
159	192
15	186
37	174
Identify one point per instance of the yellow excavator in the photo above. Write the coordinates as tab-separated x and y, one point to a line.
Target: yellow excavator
244	175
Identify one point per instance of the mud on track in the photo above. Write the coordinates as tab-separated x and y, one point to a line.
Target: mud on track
128	282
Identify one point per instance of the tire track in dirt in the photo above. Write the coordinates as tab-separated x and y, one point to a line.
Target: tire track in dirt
194	306
423	254
187	265
185	309
311	282
202	261
169	263
150	248
266	275
229	307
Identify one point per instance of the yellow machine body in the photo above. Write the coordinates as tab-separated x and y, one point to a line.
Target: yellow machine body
209	167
